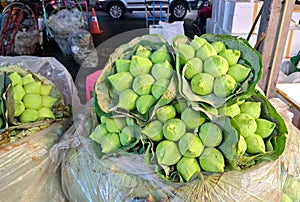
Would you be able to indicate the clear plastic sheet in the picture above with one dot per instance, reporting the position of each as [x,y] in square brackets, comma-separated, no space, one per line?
[127,178]
[25,167]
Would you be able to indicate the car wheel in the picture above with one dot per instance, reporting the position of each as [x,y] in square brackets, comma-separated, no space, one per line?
[115,10]
[178,10]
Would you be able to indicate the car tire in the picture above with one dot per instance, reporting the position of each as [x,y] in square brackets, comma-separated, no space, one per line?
[115,10]
[178,10]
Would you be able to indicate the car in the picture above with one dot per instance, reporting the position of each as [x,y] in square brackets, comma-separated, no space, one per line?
[117,8]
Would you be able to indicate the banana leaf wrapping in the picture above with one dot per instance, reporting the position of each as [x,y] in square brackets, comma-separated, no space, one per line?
[249,57]
[105,101]
[3,105]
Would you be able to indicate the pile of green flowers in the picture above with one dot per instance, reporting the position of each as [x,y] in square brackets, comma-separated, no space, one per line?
[191,108]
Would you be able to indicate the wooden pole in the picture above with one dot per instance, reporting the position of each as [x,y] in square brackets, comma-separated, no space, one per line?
[279,50]
[274,25]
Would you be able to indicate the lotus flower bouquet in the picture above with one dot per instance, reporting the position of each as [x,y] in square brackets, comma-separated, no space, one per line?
[191,109]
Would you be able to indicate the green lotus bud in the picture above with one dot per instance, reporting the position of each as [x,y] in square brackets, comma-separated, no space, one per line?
[144,103]
[28,78]
[98,133]
[190,145]
[242,146]
[120,81]
[219,46]
[33,87]
[19,92]
[174,129]
[142,84]
[127,99]
[180,106]
[122,65]
[192,119]
[140,65]
[197,42]
[129,134]
[19,107]
[245,124]
[269,146]
[193,67]
[205,51]
[110,142]
[103,119]
[188,167]
[224,85]
[255,144]
[163,70]
[15,78]
[45,113]
[251,108]
[48,101]
[210,134]
[130,121]
[45,89]
[143,52]
[264,127]
[186,52]
[238,72]
[115,125]
[167,153]
[232,56]
[202,83]
[212,160]
[33,101]
[240,101]
[160,55]
[231,110]
[159,87]
[215,65]
[165,113]
[29,115]
[153,130]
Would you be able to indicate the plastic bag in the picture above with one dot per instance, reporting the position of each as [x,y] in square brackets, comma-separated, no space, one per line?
[170,30]
[26,174]
[125,178]
[290,161]
[81,43]
[62,24]
[66,21]
[25,42]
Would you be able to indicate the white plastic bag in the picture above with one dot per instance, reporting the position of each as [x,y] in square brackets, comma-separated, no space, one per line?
[170,30]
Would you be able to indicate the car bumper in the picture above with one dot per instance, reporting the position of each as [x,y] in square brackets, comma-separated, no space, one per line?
[101,5]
